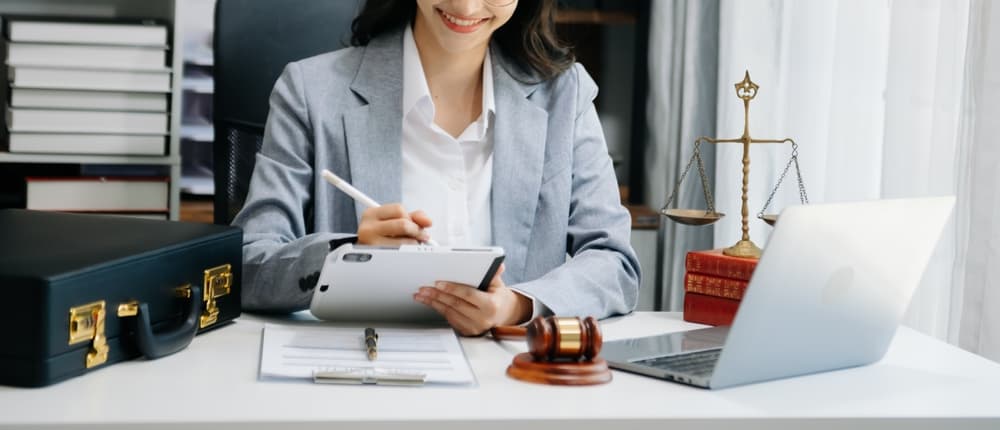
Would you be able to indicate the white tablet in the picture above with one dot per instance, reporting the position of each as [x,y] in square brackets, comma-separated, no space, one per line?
[372,283]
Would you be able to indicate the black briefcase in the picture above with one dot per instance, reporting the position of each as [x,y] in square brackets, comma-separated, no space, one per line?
[80,292]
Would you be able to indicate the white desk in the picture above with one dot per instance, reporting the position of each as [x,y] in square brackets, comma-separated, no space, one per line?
[922,383]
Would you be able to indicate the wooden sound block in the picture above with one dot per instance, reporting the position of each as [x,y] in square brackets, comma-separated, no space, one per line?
[526,368]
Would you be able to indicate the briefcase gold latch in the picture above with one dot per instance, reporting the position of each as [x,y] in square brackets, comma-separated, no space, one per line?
[218,283]
[86,323]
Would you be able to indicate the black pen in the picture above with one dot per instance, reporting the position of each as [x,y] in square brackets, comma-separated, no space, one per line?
[371,342]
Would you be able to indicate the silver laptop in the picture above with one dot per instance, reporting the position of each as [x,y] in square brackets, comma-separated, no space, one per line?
[828,293]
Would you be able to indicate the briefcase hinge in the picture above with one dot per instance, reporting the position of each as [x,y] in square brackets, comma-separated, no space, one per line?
[86,323]
[218,283]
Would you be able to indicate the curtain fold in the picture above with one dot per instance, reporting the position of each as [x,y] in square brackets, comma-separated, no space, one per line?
[683,55]
[923,97]
[977,300]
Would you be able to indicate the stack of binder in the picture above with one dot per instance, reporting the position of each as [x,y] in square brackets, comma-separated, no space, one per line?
[88,87]
[78,87]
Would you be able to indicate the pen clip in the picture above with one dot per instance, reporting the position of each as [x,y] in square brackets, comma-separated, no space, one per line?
[362,376]
[371,343]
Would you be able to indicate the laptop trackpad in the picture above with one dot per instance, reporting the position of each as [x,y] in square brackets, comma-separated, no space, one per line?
[628,350]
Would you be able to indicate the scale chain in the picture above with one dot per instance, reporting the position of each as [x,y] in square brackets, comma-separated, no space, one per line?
[802,185]
[709,200]
[704,179]
[798,173]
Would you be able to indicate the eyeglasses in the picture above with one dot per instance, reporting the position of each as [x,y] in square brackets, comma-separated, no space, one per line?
[499,3]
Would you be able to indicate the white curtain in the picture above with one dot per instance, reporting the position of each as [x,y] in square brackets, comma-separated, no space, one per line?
[885,99]
[978,262]
[683,55]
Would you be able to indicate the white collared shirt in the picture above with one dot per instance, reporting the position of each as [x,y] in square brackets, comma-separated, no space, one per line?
[450,179]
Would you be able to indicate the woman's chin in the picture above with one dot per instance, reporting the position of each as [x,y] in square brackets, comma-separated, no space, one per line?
[461,43]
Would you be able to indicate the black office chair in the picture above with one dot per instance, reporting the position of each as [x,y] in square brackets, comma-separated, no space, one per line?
[254,40]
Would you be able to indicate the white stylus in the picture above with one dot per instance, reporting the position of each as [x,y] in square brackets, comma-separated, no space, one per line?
[342,185]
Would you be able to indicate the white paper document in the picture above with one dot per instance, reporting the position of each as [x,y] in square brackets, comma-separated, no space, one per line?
[302,351]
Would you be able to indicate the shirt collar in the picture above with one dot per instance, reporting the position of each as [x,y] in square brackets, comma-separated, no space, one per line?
[488,104]
[414,81]
[415,88]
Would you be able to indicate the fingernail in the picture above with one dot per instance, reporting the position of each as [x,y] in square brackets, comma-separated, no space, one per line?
[439,284]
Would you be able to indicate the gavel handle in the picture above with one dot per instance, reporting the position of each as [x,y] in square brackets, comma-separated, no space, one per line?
[509,332]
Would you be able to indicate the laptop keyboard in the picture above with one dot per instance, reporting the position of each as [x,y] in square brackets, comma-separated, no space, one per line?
[699,363]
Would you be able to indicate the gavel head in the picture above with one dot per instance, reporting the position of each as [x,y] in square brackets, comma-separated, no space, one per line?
[566,339]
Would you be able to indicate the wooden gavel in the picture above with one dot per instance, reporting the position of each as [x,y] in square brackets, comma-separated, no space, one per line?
[557,338]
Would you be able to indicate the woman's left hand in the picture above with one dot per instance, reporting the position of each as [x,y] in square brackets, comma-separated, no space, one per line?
[471,311]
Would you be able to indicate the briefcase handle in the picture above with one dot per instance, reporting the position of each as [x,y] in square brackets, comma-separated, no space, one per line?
[156,345]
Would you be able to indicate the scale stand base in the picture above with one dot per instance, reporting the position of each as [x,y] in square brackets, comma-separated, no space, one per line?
[743,249]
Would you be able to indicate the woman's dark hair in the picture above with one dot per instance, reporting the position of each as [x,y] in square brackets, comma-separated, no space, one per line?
[529,36]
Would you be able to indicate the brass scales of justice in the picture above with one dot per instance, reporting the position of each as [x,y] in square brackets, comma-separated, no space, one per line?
[745,90]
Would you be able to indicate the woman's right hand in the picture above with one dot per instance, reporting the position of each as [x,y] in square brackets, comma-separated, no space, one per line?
[391,225]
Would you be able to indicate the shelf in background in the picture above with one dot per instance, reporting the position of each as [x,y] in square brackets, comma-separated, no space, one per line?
[643,217]
[198,132]
[165,12]
[198,81]
[570,16]
[199,185]
[198,55]
[197,210]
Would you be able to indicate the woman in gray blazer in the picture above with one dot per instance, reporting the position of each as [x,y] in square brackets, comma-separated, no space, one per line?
[471,111]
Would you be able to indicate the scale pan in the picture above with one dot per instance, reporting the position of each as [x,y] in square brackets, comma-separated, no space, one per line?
[770,219]
[692,216]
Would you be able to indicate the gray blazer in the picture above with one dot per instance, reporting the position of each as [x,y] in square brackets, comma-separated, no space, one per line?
[554,190]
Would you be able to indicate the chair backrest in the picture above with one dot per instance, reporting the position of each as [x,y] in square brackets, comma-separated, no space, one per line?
[254,40]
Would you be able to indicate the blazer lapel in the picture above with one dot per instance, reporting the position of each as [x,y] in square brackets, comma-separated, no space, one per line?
[519,138]
[373,131]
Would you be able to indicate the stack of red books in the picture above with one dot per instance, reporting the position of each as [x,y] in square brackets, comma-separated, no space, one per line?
[714,284]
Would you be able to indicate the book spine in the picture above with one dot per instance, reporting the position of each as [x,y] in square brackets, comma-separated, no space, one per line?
[702,309]
[717,264]
[93,33]
[80,143]
[714,286]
